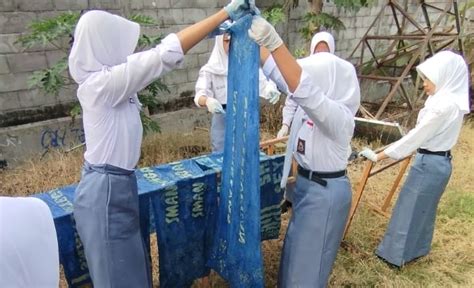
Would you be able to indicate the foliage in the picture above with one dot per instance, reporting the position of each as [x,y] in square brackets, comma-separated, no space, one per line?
[353,5]
[313,22]
[56,31]
[274,14]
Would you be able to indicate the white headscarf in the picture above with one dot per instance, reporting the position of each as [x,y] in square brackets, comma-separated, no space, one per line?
[449,72]
[218,61]
[335,76]
[101,39]
[323,37]
[29,255]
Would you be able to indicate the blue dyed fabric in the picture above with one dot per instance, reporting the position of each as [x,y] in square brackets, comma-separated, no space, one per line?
[236,254]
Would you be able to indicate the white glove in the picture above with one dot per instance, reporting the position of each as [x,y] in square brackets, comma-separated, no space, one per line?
[214,106]
[369,154]
[283,131]
[264,34]
[271,93]
[239,8]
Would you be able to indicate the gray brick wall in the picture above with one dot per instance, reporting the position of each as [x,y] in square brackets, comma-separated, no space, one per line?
[17,64]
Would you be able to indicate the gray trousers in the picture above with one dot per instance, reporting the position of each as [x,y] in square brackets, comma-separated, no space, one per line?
[217,132]
[107,220]
[411,226]
[315,232]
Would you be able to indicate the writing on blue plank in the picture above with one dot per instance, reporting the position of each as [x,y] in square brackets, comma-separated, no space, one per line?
[270,219]
[277,166]
[61,200]
[152,177]
[180,171]
[172,204]
[265,175]
[198,199]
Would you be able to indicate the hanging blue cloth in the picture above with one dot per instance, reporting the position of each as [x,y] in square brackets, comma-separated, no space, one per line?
[236,254]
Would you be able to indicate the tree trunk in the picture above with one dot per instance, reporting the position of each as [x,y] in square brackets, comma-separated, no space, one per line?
[316,6]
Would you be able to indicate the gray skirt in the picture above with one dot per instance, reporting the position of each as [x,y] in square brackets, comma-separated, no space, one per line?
[107,220]
[411,226]
[315,232]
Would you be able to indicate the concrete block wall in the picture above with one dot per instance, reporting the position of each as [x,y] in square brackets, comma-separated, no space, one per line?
[19,103]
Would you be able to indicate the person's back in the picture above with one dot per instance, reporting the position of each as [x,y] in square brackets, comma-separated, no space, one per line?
[29,255]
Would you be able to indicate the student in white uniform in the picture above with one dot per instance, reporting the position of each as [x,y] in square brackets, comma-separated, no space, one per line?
[102,61]
[321,42]
[411,226]
[29,254]
[326,88]
[211,90]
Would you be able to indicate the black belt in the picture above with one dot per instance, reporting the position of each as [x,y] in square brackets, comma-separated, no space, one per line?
[439,153]
[319,177]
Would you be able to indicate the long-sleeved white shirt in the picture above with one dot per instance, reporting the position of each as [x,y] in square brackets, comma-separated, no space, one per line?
[437,129]
[328,129]
[111,110]
[215,86]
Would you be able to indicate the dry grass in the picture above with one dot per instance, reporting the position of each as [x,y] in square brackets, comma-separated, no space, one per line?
[450,264]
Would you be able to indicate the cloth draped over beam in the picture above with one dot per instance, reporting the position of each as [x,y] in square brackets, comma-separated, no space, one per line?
[195,180]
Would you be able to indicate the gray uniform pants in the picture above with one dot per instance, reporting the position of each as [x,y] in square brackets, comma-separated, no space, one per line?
[107,220]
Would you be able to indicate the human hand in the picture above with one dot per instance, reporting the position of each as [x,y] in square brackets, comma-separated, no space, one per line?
[283,131]
[369,154]
[239,8]
[271,93]
[214,106]
[264,34]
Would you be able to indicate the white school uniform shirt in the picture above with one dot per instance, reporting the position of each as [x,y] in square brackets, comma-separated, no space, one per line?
[290,107]
[109,77]
[29,253]
[329,95]
[212,80]
[439,122]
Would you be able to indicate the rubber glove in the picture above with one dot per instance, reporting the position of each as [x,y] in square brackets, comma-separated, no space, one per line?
[214,106]
[239,8]
[283,131]
[369,154]
[264,34]
[271,93]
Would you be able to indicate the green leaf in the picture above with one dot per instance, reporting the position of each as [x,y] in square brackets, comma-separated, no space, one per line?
[149,125]
[313,22]
[274,15]
[142,19]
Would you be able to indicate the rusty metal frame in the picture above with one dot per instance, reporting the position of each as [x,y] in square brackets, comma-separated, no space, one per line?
[426,39]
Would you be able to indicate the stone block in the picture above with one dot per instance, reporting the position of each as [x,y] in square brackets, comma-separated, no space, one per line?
[4,69]
[65,5]
[190,61]
[15,22]
[9,101]
[192,4]
[193,74]
[7,43]
[203,58]
[158,4]
[68,94]
[193,15]
[177,76]
[170,16]
[202,47]
[36,5]
[7,5]
[105,4]
[52,57]
[35,98]
[138,4]
[25,62]
[14,82]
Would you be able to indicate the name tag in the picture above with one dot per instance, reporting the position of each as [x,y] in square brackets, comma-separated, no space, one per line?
[301,147]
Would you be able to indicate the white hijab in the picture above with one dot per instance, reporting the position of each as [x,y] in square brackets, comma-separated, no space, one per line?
[101,40]
[449,72]
[323,37]
[336,77]
[29,255]
[218,61]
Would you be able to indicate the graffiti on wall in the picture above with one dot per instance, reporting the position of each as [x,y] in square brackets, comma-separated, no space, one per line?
[61,138]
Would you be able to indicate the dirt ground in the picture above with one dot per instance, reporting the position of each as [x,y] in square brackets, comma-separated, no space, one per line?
[450,263]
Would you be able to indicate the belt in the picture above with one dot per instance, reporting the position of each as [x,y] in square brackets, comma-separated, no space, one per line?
[319,177]
[439,153]
[224,106]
